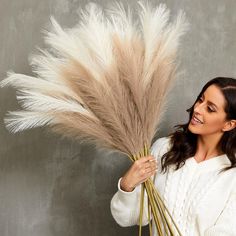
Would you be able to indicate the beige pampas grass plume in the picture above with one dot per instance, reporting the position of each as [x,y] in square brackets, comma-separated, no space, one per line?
[104,80]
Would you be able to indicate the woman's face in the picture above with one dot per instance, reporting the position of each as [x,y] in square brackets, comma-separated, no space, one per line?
[209,116]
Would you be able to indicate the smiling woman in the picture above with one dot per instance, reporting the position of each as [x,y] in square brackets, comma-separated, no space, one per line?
[210,130]
[196,173]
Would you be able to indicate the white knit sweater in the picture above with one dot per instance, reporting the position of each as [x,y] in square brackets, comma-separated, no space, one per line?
[200,201]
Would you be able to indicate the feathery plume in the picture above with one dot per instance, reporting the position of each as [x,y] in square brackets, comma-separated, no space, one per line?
[105,80]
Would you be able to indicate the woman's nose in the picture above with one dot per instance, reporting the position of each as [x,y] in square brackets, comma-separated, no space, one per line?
[198,108]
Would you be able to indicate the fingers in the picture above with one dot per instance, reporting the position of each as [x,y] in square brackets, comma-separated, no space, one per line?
[146,177]
[145,164]
[147,171]
[150,171]
[149,168]
[146,158]
[150,164]
[146,161]
[139,172]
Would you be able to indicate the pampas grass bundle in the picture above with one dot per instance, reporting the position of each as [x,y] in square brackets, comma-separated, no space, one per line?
[105,81]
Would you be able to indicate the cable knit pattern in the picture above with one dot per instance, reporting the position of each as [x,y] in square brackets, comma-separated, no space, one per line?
[201,201]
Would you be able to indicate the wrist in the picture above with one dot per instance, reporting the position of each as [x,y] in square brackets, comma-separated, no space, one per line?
[125,186]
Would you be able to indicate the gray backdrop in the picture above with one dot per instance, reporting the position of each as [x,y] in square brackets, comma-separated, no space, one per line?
[55,187]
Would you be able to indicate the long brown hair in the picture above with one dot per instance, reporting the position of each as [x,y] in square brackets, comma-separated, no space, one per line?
[184,142]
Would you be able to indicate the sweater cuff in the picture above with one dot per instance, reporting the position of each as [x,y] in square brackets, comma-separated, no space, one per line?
[127,197]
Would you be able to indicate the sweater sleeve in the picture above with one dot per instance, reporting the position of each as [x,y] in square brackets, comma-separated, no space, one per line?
[125,206]
[226,223]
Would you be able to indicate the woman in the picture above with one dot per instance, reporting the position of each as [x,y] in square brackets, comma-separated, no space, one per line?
[195,165]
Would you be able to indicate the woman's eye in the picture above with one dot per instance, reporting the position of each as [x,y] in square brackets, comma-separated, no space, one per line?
[200,100]
[209,109]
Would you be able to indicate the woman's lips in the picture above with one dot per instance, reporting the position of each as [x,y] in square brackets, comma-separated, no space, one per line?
[195,121]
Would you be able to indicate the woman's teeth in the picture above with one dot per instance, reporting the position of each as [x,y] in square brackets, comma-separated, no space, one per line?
[196,120]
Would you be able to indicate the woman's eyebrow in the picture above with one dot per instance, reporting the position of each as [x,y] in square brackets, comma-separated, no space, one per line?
[211,103]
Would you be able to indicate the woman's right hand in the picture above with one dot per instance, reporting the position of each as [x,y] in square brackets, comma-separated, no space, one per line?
[138,173]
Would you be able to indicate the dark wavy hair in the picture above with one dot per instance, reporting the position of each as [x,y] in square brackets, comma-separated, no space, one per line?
[184,142]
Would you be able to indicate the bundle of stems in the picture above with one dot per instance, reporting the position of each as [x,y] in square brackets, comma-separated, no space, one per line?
[104,81]
[164,223]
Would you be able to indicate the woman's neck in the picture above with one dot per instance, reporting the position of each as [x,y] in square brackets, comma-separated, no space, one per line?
[208,147]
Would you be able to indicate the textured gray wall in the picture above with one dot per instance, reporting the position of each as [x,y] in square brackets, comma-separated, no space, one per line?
[54,187]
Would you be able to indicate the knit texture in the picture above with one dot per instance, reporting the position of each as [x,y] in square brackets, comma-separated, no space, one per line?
[200,200]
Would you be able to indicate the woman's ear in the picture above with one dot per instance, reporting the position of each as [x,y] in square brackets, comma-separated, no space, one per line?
[229,125]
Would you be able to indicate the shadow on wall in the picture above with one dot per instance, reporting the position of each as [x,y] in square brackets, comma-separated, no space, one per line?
[46,192]
[80,203]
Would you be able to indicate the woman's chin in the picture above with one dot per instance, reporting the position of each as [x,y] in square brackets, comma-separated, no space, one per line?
[193,129]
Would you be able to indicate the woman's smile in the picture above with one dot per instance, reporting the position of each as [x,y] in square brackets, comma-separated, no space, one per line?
[196,121]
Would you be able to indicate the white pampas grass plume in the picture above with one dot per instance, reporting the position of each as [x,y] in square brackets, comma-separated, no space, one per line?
[32,101]
[109,67]
[22,120]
